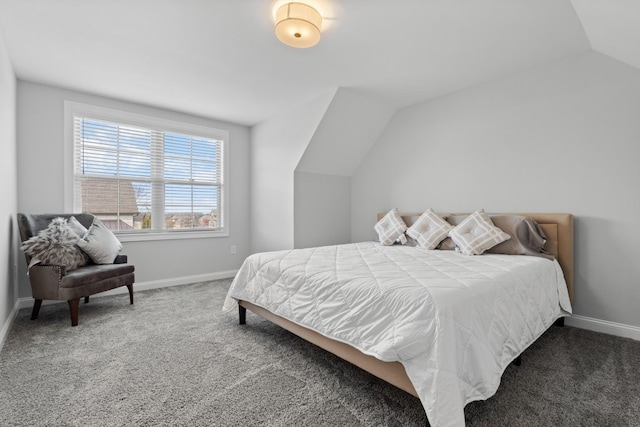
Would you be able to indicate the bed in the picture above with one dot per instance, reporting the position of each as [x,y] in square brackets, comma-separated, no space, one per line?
[438,324]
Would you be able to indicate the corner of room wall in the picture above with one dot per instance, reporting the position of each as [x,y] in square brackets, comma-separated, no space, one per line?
[8,193]
[277,144]
[301,163]
[322,188]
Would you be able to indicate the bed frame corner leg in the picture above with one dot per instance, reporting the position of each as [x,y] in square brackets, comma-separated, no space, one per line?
[242,314]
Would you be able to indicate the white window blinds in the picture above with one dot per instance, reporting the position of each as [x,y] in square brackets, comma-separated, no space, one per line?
[140,179]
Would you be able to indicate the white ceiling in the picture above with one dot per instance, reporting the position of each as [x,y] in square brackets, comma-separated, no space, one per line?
[221,59]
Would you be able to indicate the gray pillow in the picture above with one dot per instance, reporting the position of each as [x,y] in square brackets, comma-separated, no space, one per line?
[56,244]
[100,243]
[76,226]
[527,237]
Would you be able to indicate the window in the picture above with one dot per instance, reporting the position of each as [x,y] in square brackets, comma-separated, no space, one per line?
[142,175]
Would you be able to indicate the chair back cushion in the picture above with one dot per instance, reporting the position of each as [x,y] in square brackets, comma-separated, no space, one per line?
[30,224]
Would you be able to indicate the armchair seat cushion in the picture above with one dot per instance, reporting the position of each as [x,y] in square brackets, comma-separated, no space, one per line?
[94,273]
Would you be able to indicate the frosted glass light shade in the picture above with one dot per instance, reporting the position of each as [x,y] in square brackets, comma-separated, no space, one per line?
[298,25]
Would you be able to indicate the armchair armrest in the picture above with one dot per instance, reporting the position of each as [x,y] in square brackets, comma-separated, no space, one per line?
[45,280]
[120,259]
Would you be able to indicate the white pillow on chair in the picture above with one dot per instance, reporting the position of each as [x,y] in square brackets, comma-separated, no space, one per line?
[100,243]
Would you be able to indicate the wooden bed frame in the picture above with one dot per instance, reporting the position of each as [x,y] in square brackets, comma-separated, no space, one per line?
[558,228]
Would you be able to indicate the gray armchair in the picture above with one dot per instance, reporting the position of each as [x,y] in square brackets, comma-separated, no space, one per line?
[54,282]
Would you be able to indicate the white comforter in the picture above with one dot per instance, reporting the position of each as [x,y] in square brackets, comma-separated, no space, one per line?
[454,321]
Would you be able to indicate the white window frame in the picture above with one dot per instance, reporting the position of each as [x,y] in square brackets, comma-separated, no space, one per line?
[73,109]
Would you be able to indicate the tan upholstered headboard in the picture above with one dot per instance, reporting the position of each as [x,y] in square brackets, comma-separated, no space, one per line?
[558,228]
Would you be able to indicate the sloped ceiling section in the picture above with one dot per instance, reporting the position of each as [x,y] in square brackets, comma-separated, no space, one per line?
[220,59]
[613,27]
[350,126]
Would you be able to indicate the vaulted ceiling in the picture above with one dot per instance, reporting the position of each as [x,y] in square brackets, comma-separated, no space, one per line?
[220,58]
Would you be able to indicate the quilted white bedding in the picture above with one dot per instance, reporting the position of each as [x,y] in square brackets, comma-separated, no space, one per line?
[454,321]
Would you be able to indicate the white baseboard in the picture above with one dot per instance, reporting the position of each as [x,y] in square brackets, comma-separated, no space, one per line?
[603,326]
[165,283]
[5,328]
[144,286]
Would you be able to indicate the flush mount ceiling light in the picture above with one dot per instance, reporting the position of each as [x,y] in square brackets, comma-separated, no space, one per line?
[298,25]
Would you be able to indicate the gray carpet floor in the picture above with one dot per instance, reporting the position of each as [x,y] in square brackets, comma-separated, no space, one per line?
[174,359]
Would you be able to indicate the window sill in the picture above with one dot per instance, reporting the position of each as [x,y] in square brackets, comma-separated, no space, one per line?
[169,235]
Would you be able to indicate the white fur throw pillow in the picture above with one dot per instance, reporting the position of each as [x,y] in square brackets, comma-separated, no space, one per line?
[56,244]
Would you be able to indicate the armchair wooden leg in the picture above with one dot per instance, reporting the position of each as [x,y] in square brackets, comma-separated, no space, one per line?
[73,309]
[130,287]
[36,309]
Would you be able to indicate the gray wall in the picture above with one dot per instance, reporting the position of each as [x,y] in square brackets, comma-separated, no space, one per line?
[301,163]
[322,210]
[349,127]
[41,186]
[564,137]
[8,177]
[277,144]
[322,179]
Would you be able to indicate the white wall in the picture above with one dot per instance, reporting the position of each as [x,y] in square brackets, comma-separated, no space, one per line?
[564,137]
[301,163]
[8,177]
[277,144]
[322,188]
[41,186]
[322,210]
[350,126]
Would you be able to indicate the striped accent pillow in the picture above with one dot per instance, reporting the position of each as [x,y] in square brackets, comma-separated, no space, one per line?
[429,230]
[476,233]
[391,228]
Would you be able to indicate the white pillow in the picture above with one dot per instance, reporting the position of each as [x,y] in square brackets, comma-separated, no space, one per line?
[476,233]
[100,243]
[76,226]
[429,230]
[391,228]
